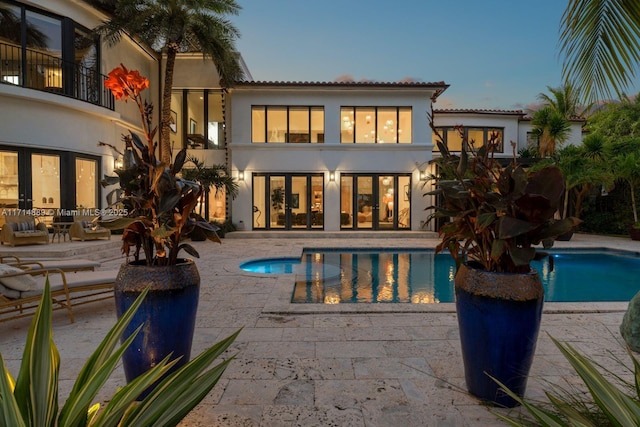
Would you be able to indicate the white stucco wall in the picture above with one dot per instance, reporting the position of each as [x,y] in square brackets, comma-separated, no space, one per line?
[41,120]
[331,155]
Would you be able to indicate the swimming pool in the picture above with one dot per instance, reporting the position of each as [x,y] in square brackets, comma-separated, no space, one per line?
[420,276]
[272,265]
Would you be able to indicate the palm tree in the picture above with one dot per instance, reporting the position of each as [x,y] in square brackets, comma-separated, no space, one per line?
[600,40]
[216,176]
[551,129]
[564,100]
[172,26]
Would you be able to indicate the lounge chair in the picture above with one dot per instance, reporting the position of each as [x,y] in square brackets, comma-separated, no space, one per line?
[21,290]
[73,264]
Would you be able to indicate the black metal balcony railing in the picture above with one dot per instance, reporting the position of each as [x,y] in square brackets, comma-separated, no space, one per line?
[36,70]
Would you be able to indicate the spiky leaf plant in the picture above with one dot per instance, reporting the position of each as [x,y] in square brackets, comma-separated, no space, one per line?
[32,399]
[612,406]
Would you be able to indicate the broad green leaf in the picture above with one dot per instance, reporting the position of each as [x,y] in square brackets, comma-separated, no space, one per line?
[10,414]
[120,403]
[71,408]
[176,386]
[509,227]
[37,405]
[522,256]
[615,404]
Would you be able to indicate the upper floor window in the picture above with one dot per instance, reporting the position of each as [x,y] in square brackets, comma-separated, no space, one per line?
[476,135]
[197,119]
[287,124]
[373,125]
[43,51]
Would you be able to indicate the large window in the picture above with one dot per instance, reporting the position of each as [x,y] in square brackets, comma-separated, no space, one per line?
[477,136]
[43,51]
[197,119]
[292,124]
[375,125]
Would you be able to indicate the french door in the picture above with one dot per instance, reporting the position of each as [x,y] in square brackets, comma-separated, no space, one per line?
[288,201]
[33,180]
[375,201]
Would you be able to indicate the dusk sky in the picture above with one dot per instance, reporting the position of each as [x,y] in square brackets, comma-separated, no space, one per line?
[494,54]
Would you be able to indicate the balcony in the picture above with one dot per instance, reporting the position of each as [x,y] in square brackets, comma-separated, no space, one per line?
[36,70]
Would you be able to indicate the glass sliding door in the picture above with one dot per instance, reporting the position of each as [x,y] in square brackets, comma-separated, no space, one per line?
[45,181]
[288,202]
[9,180]
[380,202]
[86,184]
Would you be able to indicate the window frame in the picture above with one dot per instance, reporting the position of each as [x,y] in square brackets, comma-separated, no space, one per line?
[486,130]
[288,139]
[374,123]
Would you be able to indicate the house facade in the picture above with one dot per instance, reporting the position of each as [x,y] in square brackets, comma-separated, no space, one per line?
[307,156]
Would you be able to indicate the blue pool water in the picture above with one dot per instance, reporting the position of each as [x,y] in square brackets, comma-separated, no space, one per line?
[272,265]
[421,276]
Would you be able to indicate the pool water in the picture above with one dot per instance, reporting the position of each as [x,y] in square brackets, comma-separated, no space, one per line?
[421,276]
[272,265]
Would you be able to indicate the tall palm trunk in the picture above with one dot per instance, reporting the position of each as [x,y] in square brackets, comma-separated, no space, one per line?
[165,117]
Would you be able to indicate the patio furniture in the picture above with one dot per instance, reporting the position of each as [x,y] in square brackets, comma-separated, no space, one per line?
[83,228]
[21,290]
[23,230]
[73,264]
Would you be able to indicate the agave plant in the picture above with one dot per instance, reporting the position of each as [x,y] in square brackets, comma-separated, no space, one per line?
[613,406]
[32,399]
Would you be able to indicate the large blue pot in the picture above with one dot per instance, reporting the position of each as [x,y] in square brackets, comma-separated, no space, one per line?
[168,313]
[499,318]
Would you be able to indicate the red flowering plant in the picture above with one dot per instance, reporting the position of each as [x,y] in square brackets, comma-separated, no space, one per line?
[158,203]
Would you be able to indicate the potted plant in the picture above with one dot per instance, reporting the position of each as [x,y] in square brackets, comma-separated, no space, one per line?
[157,207]
[495,215]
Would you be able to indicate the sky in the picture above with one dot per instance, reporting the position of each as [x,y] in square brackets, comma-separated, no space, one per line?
[494,54]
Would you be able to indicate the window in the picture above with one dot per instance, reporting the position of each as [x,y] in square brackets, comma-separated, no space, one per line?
[43,51]
[375,125]
[197,119]
[287,124]
[477,135]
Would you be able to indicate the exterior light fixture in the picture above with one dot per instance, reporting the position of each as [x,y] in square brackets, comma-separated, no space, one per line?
[423,175]
[332,176]
[240,175]
[118,163]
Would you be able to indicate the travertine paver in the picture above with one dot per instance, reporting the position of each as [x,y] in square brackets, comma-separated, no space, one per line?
[348,365]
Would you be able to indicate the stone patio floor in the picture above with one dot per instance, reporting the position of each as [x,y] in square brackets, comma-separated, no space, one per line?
[334,365]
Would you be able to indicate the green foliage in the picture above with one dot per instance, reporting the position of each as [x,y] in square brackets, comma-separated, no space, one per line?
[496,213]
[610,405]
[32,400]
[600,44]
[618,120]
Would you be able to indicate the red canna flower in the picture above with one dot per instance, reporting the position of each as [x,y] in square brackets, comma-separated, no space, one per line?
[125,84]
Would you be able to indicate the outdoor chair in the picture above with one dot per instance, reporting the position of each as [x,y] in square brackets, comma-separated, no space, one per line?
[83,228]
[73,264]
[21,290]
[23,230]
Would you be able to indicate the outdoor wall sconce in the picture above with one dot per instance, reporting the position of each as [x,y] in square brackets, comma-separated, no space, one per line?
[423,175]
[240,175]
[332,176]
[118,163]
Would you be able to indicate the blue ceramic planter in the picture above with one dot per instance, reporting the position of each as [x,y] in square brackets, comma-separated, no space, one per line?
[168,313]
[499,318]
